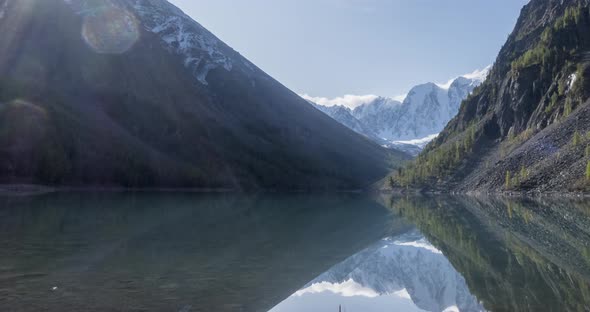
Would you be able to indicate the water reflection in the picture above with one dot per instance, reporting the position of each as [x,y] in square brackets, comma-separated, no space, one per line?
[187,252]
[173,252]
[466,254]
[399,273]
[515,254]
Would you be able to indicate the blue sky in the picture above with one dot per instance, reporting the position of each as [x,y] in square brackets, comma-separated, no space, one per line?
[331,48]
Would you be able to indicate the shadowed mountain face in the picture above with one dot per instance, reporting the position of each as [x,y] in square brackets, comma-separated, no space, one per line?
[135,93]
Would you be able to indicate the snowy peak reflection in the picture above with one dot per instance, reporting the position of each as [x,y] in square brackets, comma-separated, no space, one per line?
[402,273]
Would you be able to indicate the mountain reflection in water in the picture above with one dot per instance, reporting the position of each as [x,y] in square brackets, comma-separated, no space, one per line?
[221,252]
[401,273]
[465,254]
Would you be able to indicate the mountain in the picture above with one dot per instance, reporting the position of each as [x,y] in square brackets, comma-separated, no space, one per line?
[344,115]
[135,93]
[424,112]
[527,127]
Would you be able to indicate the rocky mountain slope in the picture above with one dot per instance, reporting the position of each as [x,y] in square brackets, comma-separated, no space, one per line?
[526,128]
[424,112]
[135,93]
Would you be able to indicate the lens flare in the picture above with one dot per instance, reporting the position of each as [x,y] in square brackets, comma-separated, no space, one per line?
[110,30]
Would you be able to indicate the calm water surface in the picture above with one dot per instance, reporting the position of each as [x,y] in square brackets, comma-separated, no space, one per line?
[219,252]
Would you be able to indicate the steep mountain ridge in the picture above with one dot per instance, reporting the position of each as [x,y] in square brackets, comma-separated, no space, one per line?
[526,127]
[135,93]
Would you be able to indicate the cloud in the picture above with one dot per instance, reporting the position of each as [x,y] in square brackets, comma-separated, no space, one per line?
[350,101]
[480,75]
[401,97]
[349,288]
[354,101]
[447,84]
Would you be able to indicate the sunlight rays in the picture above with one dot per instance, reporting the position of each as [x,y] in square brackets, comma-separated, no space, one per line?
[13,25]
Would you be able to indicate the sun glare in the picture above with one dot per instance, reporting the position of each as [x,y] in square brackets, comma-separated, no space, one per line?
[110,29]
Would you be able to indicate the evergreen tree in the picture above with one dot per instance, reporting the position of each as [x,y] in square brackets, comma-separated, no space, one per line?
[523,173]
[457,151]
[568,107]
[577,138]
[554,99]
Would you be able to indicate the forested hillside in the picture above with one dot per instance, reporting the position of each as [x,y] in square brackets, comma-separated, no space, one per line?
[527,127]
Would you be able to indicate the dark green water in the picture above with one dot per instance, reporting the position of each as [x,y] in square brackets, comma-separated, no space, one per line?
[219,252]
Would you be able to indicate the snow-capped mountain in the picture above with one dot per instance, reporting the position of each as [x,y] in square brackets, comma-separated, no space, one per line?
[423,113]
[398,271]
[345,116]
